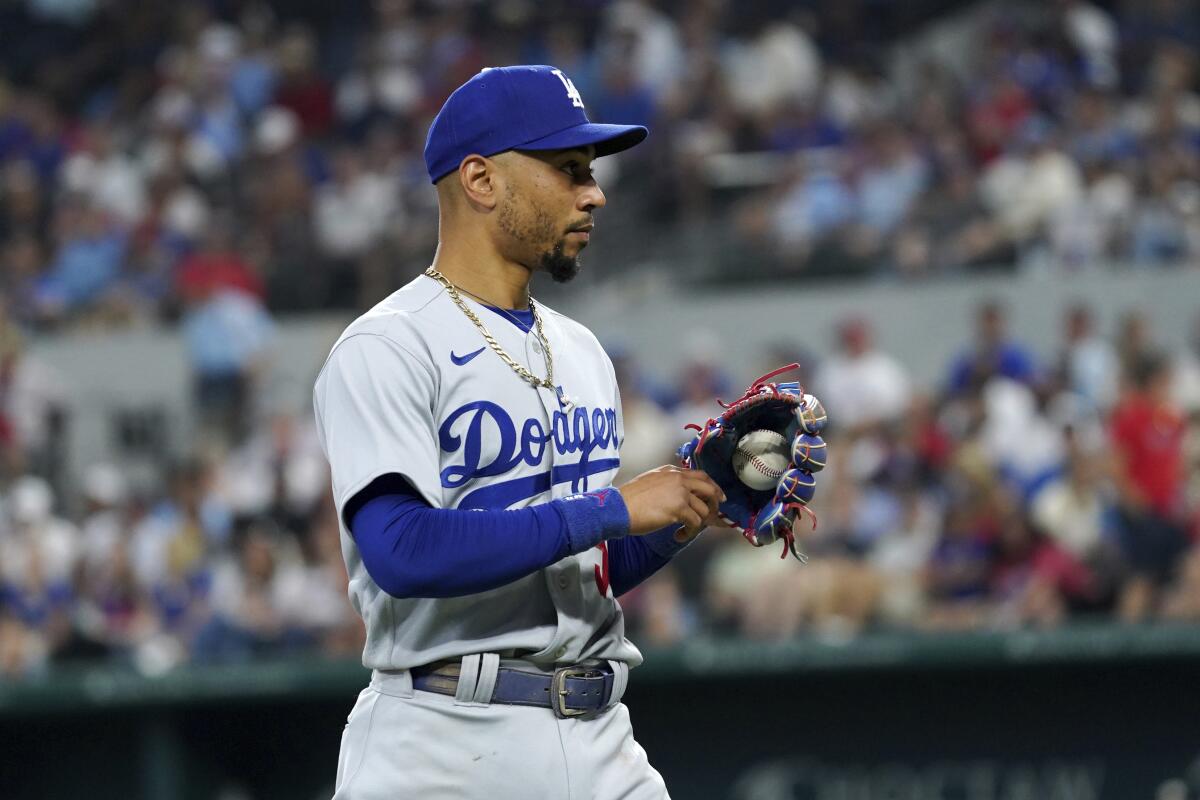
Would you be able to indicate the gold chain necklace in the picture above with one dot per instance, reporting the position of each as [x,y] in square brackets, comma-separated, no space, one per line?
[546,382]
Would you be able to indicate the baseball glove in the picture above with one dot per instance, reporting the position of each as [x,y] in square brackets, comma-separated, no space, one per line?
[766,514]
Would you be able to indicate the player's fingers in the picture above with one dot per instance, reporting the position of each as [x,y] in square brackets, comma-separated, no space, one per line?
[685,535]
[699,483]
[692,515]
[712,502]
[700,506]
[694,519]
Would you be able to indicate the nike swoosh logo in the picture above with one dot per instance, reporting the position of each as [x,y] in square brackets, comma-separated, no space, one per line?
[461,360]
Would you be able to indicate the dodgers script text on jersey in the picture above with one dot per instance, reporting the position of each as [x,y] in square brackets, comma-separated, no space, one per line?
[592,433]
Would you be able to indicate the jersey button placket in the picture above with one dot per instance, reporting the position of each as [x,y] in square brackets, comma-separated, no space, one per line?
[537,365]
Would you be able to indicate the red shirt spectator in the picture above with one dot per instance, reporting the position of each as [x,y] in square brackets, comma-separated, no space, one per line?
[216,266]
[205,271]
[1148,432]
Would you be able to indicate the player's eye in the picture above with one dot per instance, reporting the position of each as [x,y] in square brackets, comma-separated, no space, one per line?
[578,172]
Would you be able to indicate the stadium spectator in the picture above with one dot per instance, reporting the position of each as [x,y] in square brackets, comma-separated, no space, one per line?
[351,214]
[1088,365]
[993,354]
[1147,432]
[33,399]
[38,554]
[959,568]
[88,256]
[650,440]
[312,592]
[1076,511]
[104,176]
[216,265]
[900,556]
[278,472]
[301,87]
[249,606]
[169,543]
[867,386]
[104,523]
[227,333]
[1186,371]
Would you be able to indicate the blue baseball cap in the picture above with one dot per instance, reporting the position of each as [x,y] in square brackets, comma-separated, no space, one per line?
[527,107]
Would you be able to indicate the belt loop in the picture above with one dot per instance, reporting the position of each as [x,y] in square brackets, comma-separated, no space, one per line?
[468,676]
[620,681]
[489,667]
[397,683]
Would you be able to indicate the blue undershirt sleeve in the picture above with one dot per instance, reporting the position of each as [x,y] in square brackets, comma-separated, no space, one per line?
[411,549]
[632,559]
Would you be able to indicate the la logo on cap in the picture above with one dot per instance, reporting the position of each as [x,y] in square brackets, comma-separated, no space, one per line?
[569,85]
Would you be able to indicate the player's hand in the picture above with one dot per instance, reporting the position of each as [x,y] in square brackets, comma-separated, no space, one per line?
[671,495]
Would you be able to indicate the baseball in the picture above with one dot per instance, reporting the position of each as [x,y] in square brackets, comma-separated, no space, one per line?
[761,458]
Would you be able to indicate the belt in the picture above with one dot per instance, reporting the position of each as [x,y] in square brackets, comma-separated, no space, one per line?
[579,692]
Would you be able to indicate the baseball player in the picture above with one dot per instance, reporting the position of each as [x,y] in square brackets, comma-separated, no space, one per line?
[473,435]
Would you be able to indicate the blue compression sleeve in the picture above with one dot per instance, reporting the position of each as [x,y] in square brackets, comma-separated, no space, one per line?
[411,549]
[634,558]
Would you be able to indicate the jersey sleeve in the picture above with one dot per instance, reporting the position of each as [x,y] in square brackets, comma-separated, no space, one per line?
[374,404]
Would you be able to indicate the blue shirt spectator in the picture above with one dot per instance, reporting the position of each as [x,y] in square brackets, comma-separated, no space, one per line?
[87,263]
[994,354]
[224,333]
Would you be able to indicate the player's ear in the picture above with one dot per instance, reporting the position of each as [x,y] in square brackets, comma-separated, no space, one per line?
[479,179]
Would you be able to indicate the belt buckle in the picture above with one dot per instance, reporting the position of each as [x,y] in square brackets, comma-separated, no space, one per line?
[559,693]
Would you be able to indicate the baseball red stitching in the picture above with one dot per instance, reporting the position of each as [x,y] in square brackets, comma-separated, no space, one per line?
[759,465]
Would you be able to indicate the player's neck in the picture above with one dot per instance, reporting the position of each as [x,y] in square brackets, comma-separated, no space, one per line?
[493,281]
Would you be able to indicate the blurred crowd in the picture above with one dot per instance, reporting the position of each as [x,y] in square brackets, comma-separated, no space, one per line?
[155,158]
[229,553]
[1029,488]
[213,164]
[1032,486]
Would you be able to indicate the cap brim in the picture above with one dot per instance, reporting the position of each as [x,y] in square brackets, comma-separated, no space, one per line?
[608,139]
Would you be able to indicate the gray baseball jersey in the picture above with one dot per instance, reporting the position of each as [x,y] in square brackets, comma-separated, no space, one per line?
[411,388]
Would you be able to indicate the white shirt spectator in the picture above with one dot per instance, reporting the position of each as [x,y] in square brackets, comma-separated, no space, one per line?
[349,218]
[865,389]
[1093,371]
[1094,33]
[248,478]
[238,600]
[37,545]
[1015,434]
[1071,516]
[781,65]
[100,535]
[1028,193]
[1185,388]
[312,597]
[113,182]
[148,548]
[35,389]
[1084,232]
[650,439]
[658,56]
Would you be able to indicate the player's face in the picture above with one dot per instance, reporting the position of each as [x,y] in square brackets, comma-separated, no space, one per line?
[545,217]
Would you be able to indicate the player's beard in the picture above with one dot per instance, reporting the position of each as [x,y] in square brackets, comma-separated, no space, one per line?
[562,267]
[533,225]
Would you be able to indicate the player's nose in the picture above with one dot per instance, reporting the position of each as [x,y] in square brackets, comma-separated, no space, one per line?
[591,198]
